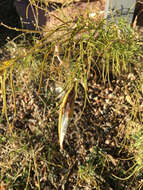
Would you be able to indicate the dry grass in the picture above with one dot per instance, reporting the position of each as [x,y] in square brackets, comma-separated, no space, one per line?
[103,145]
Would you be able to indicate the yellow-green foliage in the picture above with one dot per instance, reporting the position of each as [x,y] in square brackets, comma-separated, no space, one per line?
[68,59]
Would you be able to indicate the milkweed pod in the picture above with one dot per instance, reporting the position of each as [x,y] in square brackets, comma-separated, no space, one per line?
[66,110]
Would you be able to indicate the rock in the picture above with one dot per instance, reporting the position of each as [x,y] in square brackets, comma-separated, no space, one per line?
[31,17]
[138,14]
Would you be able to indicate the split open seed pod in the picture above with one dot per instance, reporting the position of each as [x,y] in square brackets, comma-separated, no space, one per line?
[65,113]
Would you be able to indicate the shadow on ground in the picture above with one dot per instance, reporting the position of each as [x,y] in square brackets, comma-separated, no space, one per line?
[10,18]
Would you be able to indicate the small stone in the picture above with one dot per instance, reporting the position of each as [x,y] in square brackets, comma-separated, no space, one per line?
[131,76]
[107,142]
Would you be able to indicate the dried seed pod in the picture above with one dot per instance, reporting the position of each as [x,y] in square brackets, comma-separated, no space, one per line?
[66,110]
